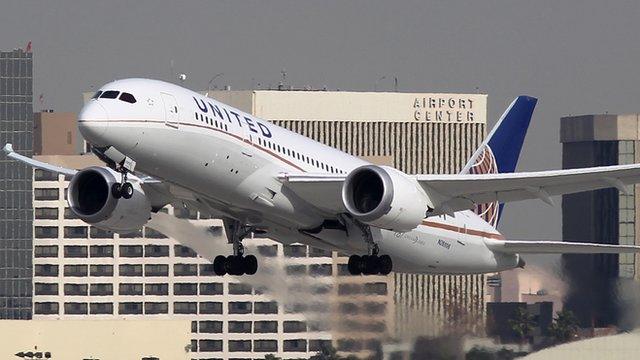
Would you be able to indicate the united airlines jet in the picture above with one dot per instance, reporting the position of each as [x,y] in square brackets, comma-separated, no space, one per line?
[163,144]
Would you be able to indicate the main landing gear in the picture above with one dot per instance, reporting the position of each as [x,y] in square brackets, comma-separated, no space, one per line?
[123,189]
[236,264]
[371,264]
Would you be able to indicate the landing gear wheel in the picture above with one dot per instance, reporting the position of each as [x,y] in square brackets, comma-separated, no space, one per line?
[126,190]
[371,264]
[250,265]
[354,265]
[116,191]
[219,267]
[385,265]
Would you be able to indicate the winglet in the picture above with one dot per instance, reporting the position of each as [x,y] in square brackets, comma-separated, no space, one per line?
[8,148]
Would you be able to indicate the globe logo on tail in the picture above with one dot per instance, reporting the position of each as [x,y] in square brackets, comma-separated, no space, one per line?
[486,164]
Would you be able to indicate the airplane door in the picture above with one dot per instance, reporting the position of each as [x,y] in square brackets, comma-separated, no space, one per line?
[171,116]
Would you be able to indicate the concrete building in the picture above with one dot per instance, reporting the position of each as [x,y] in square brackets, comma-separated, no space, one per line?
[55,133]
[87,339]
[604,216]
[16,211]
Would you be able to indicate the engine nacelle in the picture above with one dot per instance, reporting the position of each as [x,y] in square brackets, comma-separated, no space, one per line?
[385,197]
[89,196]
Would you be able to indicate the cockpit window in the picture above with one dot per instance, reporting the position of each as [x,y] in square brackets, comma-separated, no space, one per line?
[110,94]
[97,95]
[127,97]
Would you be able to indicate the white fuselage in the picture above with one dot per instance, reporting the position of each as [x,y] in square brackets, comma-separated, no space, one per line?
[228,161]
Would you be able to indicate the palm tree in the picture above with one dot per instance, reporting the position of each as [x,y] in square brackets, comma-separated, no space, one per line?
[564,327]
[522,323]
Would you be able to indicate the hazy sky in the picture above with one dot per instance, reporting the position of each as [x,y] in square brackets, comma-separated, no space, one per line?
[577,56]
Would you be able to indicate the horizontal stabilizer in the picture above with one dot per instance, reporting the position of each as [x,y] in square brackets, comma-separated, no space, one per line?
[556,247]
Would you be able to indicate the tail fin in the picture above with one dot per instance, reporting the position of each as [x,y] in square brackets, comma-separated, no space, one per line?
[500,151]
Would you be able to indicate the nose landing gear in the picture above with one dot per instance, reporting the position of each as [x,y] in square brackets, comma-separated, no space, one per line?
[124,189]
[236,264]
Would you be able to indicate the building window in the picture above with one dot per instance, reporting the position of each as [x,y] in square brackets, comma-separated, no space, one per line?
[211,327]
[185,307]
[206,270]
[75,270]
[101,270]
[263,327]
[46,194]
[101,251]
[295,251]
[183,251]
[298,345]
[75,289]
[240,307]
[150,233]
[156,250]
[349,308]
[101,289]
[151,308]
[210,345]
[130,308]
[130,251]
[211,289]
[97,233]
[239,289]
[46,308]
[74,308]
[45,270]
[69,214]
[156,270]
[375,308]
[266,307]
[239,345]
[130,270]
[350,345]
[43,175]
[316,252]
[210,307]
[49,213]
[46,232]
[185,289]
[45,251]
[378,288]
[132,235]
[101,308]
[130,289]
[75,232]
[45,289]
[294,326]
[268,250]
[240,326]
[75,251]
[265,345]
[185,269]
[296,270]
[320,270]
[156,289]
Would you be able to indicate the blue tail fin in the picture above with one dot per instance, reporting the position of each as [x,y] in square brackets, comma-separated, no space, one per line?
[500,151]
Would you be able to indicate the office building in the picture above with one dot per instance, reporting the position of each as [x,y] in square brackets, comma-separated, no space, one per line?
[55,133]
[16,210]
[605,216]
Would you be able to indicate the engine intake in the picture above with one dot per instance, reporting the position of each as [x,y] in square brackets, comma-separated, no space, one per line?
[89,197]
[385,197]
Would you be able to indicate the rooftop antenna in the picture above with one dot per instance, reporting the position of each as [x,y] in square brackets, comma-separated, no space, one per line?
[284,79]
[395,83]
[211,82]
[375,86]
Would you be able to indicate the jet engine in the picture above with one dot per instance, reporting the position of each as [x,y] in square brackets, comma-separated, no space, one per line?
[90,198]
[385,197]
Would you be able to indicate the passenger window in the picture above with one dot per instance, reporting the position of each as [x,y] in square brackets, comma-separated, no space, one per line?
[127,98]
[97,95]
[110,94]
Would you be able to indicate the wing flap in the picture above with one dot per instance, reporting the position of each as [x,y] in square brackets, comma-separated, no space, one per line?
[556,247]
[323,191]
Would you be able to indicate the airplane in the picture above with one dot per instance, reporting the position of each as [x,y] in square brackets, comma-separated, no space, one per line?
[164,144]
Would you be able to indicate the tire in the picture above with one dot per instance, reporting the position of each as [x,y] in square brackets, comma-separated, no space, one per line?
[219,265]
[354,265]
[235,265]
[250,264]
[116,191]
[127,190]
[386,265]
[371,264]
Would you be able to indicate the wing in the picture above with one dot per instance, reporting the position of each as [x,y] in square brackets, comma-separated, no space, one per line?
[8,149]
[461,192]
[458,192]
[556,247]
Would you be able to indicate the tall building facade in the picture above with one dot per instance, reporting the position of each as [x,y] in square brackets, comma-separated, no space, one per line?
[55,133]
[605,216]
[16,211]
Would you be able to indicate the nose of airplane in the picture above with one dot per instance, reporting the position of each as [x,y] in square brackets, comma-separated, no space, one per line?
[93,122]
